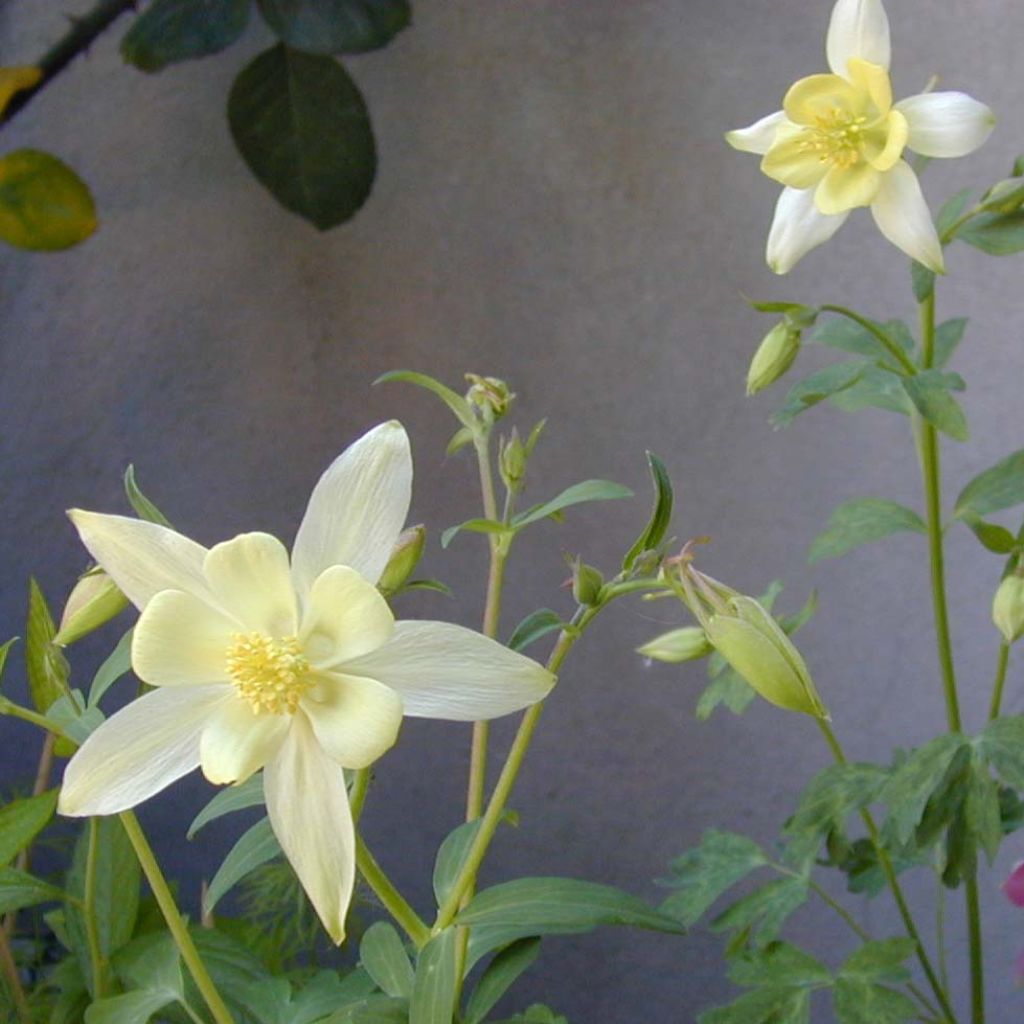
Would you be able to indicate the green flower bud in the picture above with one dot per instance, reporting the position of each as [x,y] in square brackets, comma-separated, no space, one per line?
[586,583]
[754,644]
[512,461]
[1008,608]
[93,602]
[404,558]
[773,357]
[685,644]
[491,396]
[1004,196]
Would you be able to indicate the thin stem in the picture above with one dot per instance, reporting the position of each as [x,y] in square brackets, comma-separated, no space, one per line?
[92,935]
[977,961]
[997,687]
[10,972]
[357,795]
[394,902]
[8,707]
[175,923]
[940,935]
[891,347]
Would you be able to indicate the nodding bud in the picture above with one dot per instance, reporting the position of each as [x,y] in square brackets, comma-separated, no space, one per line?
[93,602]
[404,558]
[754,644]
[1008,608]
[678,645]
[774,356]
[491,396]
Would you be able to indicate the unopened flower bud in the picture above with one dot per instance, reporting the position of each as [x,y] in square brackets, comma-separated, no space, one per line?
[773,357]
[404,558]
[93,602]
[754,644]
[491,396]
[1004,196]
[678,645]
[1008,608]
[512,461]
[586,583]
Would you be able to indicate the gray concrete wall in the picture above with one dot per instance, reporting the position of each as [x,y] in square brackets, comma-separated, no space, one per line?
[556,206]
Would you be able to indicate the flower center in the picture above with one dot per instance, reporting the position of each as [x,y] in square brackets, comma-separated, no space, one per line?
[836,137]
[270,673]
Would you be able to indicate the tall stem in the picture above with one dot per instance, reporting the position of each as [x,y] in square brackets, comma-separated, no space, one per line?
[997,687]
[395,903]
[89,910]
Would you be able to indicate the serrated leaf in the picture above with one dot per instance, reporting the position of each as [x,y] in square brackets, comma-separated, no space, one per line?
[779,965]
[458,405]
[729,688]
[998,234]
[44,205]
[382,954]
[536,625]
[451,855]
[816,388]
[881,960]
[500,974]
[587,490]
[704,873]
[999,487]
[1002,746]
[22,820]
[433,991]
[948,336]
[930,393]
[472,526]
[117,664]
[255,847]
[857,1001]
[19,889]
[169,31]
[876,389]
[661,516]
[922,281]
[861,521]
[141,505]
[301,125]
[228,800]
[336,26]
[45,664]
[951,210]
[760,914]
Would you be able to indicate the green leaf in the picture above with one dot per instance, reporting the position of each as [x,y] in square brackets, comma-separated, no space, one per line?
[472,526]
[19,889]
[500,974]
[983,819]
[860,521]
[130,1008]
[763,1006]
[459,440]
[816,388]
[779,965]
[951,210]
[758,916]
[433,991]
[536,1014]
[152,962]
[458,405]
[930,393]
[703,874]
[1001,486]
[336,26]
[5,649]
[76,721]
[382,954]
[451,855]
[880,960]
[661,516]
[141,505]
[728,687]
[117,664]
[255,847]
[849,336]
[371,1010]
[876,389]
[922,281]
[793,623]
[434,586]
[1002,746]
[992,536]
[948,336]
[169,31]
[301,125]
[22,820]
[536,625]
[858,1001]
[998,234]
[588,490]
[46,666]
[228,800]
[44,205]
[235,970]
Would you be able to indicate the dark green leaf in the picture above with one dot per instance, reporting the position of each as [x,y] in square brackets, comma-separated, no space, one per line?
[983,820]
[536,1014]
[992,536]
[1001,486]
[228,800]
[383,956]
[456,403]
[19,889]
[1002,745]
[881,960]
[141,505]
[117,664]
[472,526]
[661,516]
[371,1010]
[336,26]
[434,586]
[433,990]
[255,847]
[930,393]
[22,820]
[862,520]
[948,336]
[44,205]
[876,389]
[151,962]
[301,125]
[727,687]
[760,914]
[129,1008]
[779,965]
[536,625]
[169,31]
[998,234]
[451,855]
[951,210]
[235,970]
[500,974]
[922,281]
[861,1002]
[46,666]
[816,388]
[763,1006]
[588,490]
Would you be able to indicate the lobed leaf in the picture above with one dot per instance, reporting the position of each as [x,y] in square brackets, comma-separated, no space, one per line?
[758,916]
[861,521]
[816,388]
[998,234]
[930,393]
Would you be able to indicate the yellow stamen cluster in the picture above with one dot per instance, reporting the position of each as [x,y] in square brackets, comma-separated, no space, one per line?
[270,673]
[836,138]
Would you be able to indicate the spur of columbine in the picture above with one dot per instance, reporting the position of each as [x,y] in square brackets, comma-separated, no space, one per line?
[295,667]
[838,143]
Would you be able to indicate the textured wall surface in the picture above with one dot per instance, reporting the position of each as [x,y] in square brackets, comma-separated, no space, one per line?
[555,205]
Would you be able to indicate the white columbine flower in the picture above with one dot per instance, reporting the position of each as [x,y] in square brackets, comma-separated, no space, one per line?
[838,144]
[299,669]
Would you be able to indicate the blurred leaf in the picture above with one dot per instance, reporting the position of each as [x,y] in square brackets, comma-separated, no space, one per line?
[763,1006]
[998,234]
[301,125]
[433,991]
[948,336]
[383,956]
[860,521]
[930,393]
[1002,745]
[169,31]
[876,389]
[255,847]
[142,506]
[661,516]
[458,405]
[1001,486]
[588,490]
[44,205]
[117,664]
[780,965]
[228,800]
[19,889]
[22,820]
[15,79]
[758,916]
[536,1014]
[500,974]
[992,536]
[922,281]
[536,625]
[860,1002]
[371,1010]
[728,687]
[45,664]
[472,526]
[951,210]
[816,388]
[336,26]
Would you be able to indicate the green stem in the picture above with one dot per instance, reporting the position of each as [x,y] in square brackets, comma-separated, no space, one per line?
[940,935]
[357,795]
[92,934]
[175,923]
[894,885]
[8,707]
[997,687]
[890,345]
[394,902]
[10,972]
[977,962]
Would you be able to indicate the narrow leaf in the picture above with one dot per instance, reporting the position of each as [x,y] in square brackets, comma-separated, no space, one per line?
[22,820]
[930,393]
[458,405]
[228,800]
[922,281]
[19,889]
[499,976]
[130,1008]
[45,664]
[948,336]
[142,506]
[117,664]
[661,516]
[588,490]
[472,526]
[860,521]
[451,855]
[1001,486]
[383,957]
[536,625]
[433,990]
[169,31]
[816,388]
[255,847]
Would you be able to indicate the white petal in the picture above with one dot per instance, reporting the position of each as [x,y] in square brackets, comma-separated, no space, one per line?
[902,216]
[445,671]
[180,640]
[355,719]
[251,579]
[946,123]
[139,751]
[308,808]
[345,617]
[142,558]
[235,742]
[358,508]
[758,137]
[859,28]
[797,228]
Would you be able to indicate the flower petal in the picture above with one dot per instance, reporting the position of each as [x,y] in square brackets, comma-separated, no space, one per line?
[251,579]
[858,28]
[308,807]
[845,188]
[355,719]
[790,161]
[758,137]
[896,131]
[818,97]
[797,228]
[946,124]
[139,751]
[874,80]
[357,509]
[445,671]
[345,617]
[235,742]
[902,216]
[142,558]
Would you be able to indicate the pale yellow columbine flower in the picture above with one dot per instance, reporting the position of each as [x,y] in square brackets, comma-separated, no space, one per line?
[299,669]
[839,140]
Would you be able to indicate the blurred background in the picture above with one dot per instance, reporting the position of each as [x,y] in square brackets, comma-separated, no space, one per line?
[554,206]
